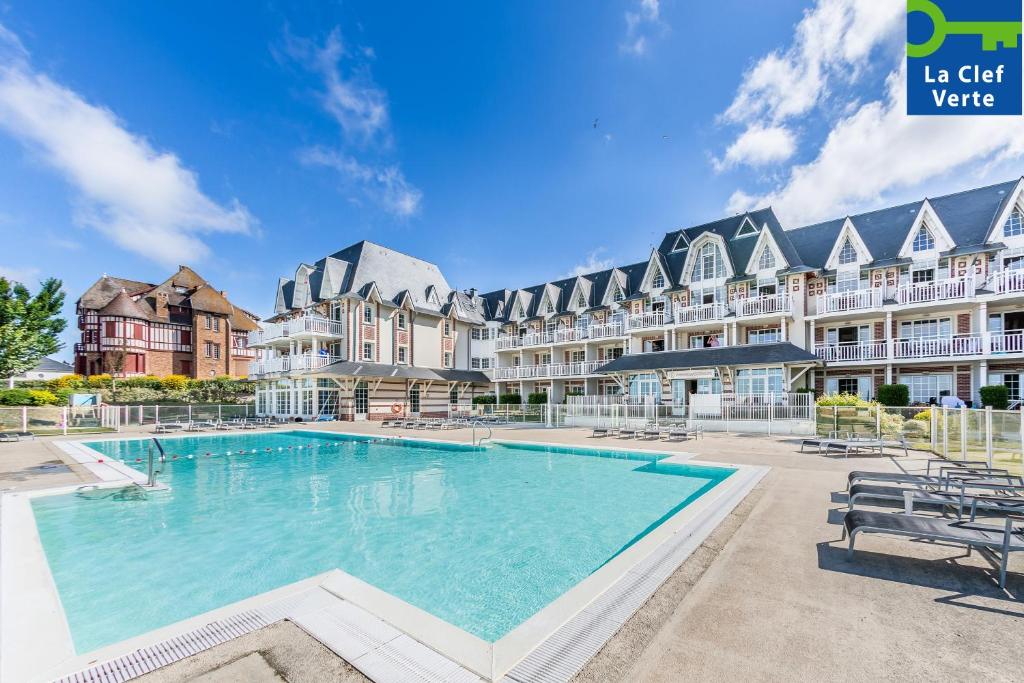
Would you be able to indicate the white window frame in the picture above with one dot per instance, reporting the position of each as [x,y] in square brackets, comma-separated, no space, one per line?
[372,348]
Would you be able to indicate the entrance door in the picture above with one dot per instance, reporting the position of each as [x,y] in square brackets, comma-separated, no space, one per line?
[362,400]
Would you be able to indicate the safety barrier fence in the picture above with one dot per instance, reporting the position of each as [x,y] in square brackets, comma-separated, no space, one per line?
[47,420]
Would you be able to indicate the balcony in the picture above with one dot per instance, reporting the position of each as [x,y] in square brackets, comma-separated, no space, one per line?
[1007,282]
[646,321]
[938,347]
[294,363]
[700,313]
[297,328]
[774,304]
[549,370]
[569,334]
[605,331]
[507,341]
[846,352]
[939,290]
[853,300]
[1011,341]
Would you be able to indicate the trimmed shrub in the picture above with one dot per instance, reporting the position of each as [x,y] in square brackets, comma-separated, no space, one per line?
[846,400]
[174,383]
[537,399]
[511,398]
[27,397]
[66,382]
[924,416]
[133,395]
[894,395]
[485,400]
[100,381]
[995,395]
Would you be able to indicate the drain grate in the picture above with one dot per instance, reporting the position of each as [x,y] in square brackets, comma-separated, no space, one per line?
[144,660]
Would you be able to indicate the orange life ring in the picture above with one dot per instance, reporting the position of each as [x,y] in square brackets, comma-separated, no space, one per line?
[396,408]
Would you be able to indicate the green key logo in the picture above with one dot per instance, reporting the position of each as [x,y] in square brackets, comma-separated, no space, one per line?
[963,57]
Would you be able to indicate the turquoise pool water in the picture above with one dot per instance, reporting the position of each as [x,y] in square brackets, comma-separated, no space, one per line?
[482,538]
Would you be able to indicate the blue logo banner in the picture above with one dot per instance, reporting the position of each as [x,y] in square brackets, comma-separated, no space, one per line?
[964,57]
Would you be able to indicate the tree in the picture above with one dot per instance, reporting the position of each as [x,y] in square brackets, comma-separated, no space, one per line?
[29,325]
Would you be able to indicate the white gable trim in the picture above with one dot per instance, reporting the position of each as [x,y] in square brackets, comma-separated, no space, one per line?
[766,241]
[995,233]
[613,285]
[744,224]
[848,231]
[691,258]
[680,237]
[943,241]
[545,299]
[654,266]
[577,289]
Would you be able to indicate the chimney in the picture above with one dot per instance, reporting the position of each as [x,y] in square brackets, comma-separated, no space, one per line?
[224,294]
[471,292]
[161,305]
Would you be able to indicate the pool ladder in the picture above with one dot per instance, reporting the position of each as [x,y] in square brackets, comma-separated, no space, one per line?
[151,468]
[490,434]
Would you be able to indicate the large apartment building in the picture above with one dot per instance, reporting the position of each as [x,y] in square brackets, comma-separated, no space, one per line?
[181,326]
[928,294]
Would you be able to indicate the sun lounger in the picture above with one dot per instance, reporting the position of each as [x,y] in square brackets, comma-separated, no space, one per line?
[627,433]
[8,436]
[945,474]
[165,427]
[651,432]
[956,495]
[676,434]
[1002,540]
[599,432]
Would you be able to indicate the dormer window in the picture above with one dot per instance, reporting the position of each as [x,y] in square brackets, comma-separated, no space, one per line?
[847,254]
[658,281]
[581,302]
[680,243]
[767,260]
[709,264]
[924,240]
[1014,226]
[548,308]
[747,228]
[617,294]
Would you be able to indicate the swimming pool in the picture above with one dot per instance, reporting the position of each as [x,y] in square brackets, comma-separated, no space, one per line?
[480,537]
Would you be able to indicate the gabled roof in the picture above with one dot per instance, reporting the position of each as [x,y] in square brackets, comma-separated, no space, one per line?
[126,307]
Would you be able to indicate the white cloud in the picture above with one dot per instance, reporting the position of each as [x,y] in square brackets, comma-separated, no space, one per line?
[386,185]
[27,276]
[831,47]
[759,145]
[592,264]
[143,199]
[360,107]
[879,149]
[642,23]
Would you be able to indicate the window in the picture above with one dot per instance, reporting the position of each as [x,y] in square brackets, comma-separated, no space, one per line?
[368,351]
[709,264]
[361,394]
[1014,226]
[447,359]
[208,323]
[548,307]
[367,314]
[704,341]
[767,260]
[847,280]
[216,324]
[659,281]
[475,364]
[212,350]
[923,388]
[577,356]
[1011,380]
[680,243]
[759,381]
[284,401]
[617,294]
[747,229]
[922,276]
[581,301]
[401,354]
[858,386]
[771,336]
[453,396]
[847,254]
[414,400]
[926,329]
[400,320]
[646,384]
[475,333]
[923,241]
[447,328]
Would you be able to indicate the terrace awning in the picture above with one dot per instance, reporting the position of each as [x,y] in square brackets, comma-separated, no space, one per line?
[356,369]
[751,354]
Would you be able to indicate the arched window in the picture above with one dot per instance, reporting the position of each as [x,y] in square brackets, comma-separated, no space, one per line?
[767,260]
[709,264]
[658,281]
[847,254]
[923,241]
[1014,226]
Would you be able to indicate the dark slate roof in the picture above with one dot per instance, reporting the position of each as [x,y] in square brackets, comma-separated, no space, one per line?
[51,365]
[758,354]
[347,368]
[968,216]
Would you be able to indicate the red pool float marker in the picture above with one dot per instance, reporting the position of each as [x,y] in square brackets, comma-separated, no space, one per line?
[99,459]
[138,459]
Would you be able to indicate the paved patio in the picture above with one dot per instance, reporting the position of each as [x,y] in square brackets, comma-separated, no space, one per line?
[769,595]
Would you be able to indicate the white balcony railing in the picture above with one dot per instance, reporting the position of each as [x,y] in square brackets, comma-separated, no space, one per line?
[1007,282]
[700,313]
[570,334]
[1007,342]
[853,300]
[612,329]
[297,362]
[939,290]
[312,325]
[579,369]
[644,321]
[507,341]
[773,304]
[851,351]
[960,345]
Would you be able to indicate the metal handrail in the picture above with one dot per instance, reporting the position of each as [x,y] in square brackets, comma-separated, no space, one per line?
[489,436]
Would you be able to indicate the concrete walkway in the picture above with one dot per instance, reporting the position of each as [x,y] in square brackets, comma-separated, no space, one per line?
[770,595]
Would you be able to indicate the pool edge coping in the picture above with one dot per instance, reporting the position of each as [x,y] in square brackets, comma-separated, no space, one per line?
[498,659]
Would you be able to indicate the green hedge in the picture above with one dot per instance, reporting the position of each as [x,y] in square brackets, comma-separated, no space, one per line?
[995,395]
[485,400]
[510,398]
[537,399]
[894,395]
[28,397]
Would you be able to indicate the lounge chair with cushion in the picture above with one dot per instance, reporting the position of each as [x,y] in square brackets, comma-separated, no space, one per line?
[945,474]
[8,436]
[1002,540]
[651,432]
[961,494]
[627,433]
[599,432]
[165,427]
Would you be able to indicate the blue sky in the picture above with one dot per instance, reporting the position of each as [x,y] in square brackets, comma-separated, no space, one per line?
[135,136]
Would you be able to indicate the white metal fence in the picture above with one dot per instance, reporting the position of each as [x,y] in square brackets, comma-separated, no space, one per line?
[83,419]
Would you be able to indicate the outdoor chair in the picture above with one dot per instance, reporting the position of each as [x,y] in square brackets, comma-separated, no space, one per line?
[945,474]
[960,494]
[8,436]
[599,432]
[651,432]
[627,433]
[165,427]
[1001,540]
